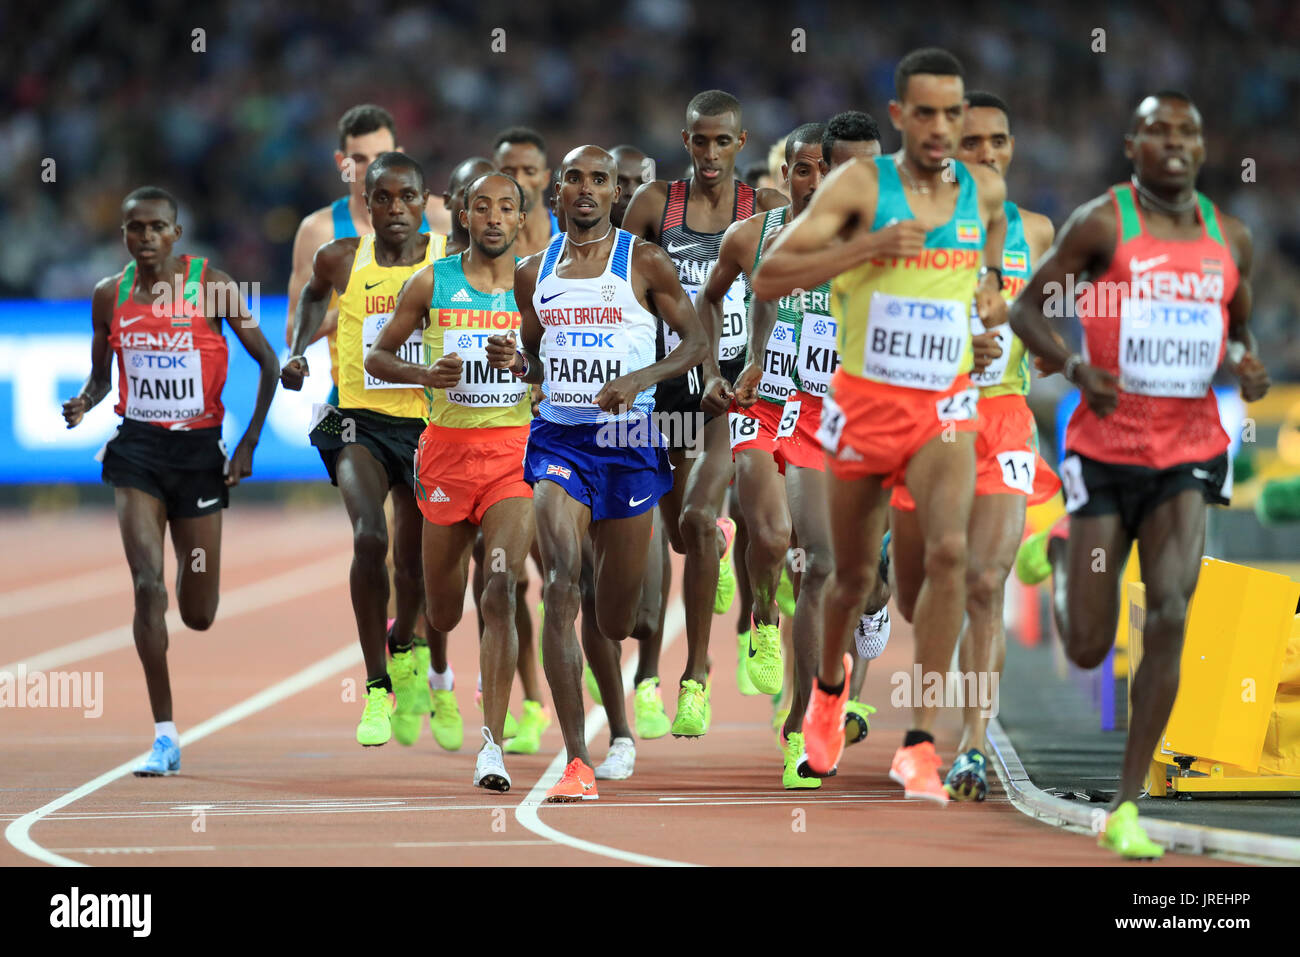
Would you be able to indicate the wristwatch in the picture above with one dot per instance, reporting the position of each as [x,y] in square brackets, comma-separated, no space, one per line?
[992,269]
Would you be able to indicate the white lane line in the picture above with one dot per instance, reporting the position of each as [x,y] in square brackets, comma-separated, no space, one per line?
[526,811]
[65,591]
[18,834]
[403,845]
[305,580]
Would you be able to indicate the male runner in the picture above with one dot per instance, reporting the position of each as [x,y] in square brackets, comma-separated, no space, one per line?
[634,168]
[687,218]
[464,173]
[469,467]
[166,462]
[365,131]
[1168,294]
[368,443]
[1009,470]
[521,152]
[900,407]
[594,458]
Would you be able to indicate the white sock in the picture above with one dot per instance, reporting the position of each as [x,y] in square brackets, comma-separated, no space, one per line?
[442,682]
[166,729]
[480,682]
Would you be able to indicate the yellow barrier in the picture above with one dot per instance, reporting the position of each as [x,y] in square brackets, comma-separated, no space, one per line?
[1225,733]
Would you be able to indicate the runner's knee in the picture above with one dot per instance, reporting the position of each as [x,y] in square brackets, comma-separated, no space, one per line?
[497,603]
[150,592]
[370,542]
[946,554]
[818,563]
[768,540]
[984,588]
[615,619]
[699,525]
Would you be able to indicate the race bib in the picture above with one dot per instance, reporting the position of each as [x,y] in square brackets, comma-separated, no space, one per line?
[480,386]
[832,426]
[412,350]
[744,428]
[959,406]
[163,386]
[1168,347]
[1076,492]
[735,330]
[819,356]
[1018,470]
[915,343]
[580,362]
[789,418]
[779,360]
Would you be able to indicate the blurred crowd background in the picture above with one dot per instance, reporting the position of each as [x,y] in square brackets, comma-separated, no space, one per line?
[243,132]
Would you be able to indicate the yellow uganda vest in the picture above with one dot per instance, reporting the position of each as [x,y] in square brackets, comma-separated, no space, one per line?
[364,307]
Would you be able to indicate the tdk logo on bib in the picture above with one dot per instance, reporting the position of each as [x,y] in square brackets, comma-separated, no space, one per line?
[821,327]
[586,340]
[160,360]
[779,333]
[920,310]
[1180,314]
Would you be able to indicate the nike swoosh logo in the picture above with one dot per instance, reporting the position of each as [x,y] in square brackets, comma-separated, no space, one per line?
[1142,265]
[126,322]
[372,285]
[676,249]
[205,502]
[752,652]
[634,502]
[546,299]
[1201,474]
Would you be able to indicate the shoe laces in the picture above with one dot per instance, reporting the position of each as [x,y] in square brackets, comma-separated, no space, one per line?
[487,737]
[570,772]
[376,702]
[160,745]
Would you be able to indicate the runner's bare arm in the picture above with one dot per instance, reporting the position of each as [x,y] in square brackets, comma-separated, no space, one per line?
[313,232]
[250,336]
[1249,371]
[762,320]
[330,268]
[768,198]
[661,290]
[992,190]
[708,301]
[501,350]
[1039,233]
[101,354]
[646,210]
[1083,249]
[382,361]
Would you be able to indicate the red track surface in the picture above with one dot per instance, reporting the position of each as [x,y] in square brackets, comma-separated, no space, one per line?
[288,784]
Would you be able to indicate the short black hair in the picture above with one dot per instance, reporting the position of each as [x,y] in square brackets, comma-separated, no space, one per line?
[482,176]
[753,174]
[150,192]
[1167,94]
[925,60]
[983,98]
[811,133]
[713,103]
[392,161]
[851,126]
[519,134]
[364,119]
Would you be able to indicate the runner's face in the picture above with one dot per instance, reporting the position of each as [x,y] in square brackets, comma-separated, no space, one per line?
[929,118]
[493,216]
[588,191]
[526,163]
[150,231]
[1168,147]
[358,153]
[986,138]
[560,219]
[804,174]
[631,167]
[396,204]
[454,197]
[844,150]
[713,142]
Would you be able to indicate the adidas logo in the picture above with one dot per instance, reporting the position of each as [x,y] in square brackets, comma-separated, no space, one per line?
[461,296]
[850,454]
[438,495]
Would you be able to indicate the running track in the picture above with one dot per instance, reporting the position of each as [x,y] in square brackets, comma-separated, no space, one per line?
[276,778]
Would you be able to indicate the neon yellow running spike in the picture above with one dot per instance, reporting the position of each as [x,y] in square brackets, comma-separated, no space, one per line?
[726,593]
[856,721]
[648,711]
[1124,835]
[1032,564]
[406,693]
[743,684]
[766,669]
[593,688]
[527,738]
[785,594]
[423,659]
[375,727]
[445,721]
[693,711]
[790,778]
